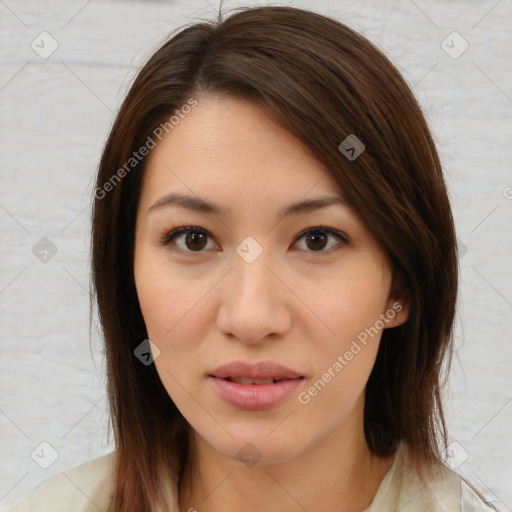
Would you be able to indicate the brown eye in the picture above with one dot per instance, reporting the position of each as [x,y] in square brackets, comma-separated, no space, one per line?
[195,240]
[190,238]
[317,239]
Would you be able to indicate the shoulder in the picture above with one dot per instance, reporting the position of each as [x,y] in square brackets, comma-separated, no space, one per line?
[471,500]
[440,488]
[81,489]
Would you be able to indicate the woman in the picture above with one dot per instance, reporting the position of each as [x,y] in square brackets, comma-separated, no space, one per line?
[275,266]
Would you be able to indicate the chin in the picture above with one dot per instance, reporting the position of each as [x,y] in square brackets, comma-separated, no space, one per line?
[257,450]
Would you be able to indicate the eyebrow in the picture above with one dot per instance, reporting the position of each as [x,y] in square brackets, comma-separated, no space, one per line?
[203,206]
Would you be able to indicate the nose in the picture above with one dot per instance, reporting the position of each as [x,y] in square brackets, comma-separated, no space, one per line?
[254,301]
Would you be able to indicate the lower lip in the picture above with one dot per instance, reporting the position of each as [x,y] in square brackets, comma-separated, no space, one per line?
[254,397]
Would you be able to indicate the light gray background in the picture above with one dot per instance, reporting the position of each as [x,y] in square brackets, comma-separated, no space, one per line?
[55,114]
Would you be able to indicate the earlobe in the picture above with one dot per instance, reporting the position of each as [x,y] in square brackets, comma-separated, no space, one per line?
[397,312]
[398,306]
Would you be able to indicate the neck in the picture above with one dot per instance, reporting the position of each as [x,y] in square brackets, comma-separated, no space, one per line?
[339,474]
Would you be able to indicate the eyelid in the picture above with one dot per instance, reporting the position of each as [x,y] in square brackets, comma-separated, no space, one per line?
[169,236]
[334,232]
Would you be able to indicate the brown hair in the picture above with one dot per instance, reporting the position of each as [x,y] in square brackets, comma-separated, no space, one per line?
[322,82]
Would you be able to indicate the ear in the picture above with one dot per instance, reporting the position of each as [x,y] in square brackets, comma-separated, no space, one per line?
[397,312]
[398,305]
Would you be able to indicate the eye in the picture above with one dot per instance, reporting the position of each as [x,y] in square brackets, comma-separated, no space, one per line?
[317,238]
[196,239]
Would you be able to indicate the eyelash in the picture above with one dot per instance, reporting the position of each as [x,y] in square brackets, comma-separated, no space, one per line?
[170,236]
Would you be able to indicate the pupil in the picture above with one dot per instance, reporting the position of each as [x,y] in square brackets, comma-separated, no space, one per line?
[195,237]
[315,239]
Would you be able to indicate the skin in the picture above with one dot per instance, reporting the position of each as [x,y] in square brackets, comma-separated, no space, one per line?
[298,303]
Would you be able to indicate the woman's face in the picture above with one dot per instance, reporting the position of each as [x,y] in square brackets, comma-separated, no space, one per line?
[252,284]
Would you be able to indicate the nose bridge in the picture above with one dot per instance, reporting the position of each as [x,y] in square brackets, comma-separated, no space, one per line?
[251,267]
[252,305]
[253,281]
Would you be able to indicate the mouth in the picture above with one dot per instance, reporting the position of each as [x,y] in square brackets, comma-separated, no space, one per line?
[265,372]
[253,387]
[251,394]
[247,381]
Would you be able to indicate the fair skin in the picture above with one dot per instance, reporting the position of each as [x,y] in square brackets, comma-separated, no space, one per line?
[300,303]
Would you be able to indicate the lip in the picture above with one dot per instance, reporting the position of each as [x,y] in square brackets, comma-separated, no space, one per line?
[262,370]
[253,397]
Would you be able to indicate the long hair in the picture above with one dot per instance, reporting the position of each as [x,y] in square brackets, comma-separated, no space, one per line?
[322,82]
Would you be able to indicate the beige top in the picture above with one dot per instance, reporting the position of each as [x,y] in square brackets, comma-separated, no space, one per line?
[87,488]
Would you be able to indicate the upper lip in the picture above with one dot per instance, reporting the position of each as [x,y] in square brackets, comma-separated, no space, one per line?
[263,370]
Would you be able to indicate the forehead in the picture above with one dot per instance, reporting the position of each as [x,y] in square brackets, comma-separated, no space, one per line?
[229,144]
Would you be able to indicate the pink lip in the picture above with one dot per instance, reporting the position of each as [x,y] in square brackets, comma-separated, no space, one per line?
[254,397]
[263,370]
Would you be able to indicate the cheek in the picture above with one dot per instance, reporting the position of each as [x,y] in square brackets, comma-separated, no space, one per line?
[343,359]
[352,299]
[154,301]
[165,296]
[168,304]
[350,305]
